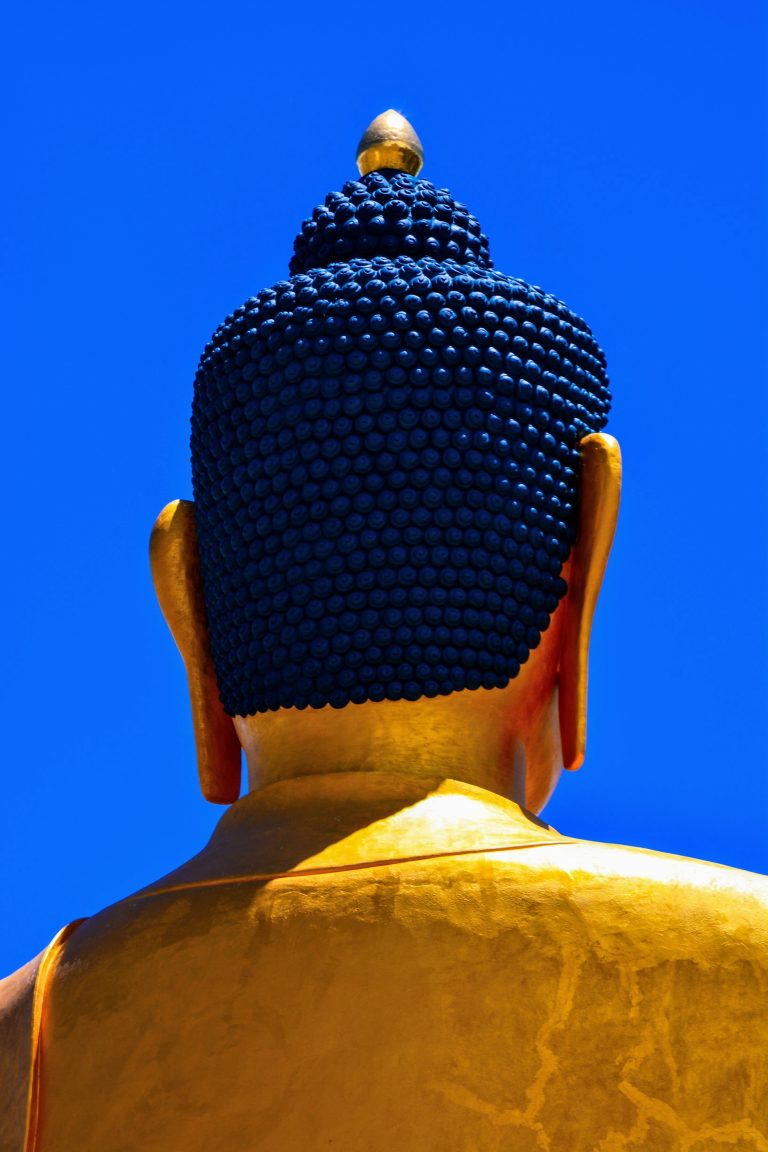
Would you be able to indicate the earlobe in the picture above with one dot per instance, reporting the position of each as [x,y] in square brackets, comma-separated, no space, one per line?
[176,576]
[599,493]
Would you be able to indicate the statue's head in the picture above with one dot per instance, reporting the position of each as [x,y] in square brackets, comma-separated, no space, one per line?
[403,503]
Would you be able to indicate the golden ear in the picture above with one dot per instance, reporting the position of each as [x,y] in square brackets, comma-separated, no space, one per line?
[599,493]
[176,575]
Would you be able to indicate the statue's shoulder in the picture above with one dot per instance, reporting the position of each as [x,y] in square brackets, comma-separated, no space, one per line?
[673,879]
[594,976]
[21,1002]
[652,904]
[17,994]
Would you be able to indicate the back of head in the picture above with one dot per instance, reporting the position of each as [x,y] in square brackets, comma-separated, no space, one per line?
[385,453]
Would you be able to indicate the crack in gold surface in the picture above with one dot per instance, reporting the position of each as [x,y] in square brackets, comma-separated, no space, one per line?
[654,1041]
[654,1109]
[567,985]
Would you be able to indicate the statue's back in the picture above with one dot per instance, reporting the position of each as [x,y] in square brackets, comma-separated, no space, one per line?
[555,995]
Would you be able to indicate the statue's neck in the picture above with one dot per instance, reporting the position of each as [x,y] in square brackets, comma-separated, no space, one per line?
[322,823]
[474,737]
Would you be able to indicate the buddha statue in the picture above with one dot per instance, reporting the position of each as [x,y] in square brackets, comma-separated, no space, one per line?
[383,594]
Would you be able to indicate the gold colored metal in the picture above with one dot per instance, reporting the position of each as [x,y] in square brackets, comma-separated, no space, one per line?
[599,496]
[390,141]
[176,576]
[43,976]
[372,961]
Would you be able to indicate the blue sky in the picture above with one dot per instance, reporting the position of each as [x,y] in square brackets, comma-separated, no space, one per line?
[159,160]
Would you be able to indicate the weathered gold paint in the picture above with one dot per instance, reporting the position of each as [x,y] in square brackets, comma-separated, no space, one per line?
[390,141]
[378,962]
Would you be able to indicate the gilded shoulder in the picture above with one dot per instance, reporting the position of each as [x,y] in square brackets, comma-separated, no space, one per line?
[17,993]
[651,905]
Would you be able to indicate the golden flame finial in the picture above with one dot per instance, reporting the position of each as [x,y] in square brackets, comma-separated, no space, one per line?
[389,141]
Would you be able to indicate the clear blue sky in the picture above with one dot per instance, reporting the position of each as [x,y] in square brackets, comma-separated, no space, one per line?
[159,160]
